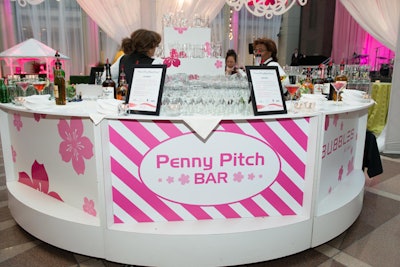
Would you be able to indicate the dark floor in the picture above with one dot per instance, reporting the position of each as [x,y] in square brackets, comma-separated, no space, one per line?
[373,240]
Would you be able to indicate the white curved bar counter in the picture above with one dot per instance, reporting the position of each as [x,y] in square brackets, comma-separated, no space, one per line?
[152,191]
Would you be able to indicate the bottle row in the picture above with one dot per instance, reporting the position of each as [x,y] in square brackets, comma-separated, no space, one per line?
[321,80]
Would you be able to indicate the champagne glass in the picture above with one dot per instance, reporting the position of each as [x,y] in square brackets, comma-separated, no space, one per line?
[338,86]
[292,89]
[24,86]
[39,86]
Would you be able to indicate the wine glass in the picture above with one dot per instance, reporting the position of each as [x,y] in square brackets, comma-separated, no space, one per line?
[338,86]
[24,86]
[292,89]
[39,86]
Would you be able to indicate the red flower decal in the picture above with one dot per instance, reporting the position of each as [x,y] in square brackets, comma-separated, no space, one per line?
[39,181]
[180,30]
[173,59]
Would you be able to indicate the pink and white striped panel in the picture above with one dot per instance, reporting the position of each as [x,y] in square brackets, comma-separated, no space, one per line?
[273,188]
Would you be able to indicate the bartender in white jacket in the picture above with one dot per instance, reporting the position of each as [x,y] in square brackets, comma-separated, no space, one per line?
[266,49]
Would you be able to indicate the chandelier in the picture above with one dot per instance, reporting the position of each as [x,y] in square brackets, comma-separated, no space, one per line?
[267,8]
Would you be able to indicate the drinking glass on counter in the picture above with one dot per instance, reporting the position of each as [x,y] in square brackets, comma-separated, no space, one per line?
[24,84]
[292,89]
[39,86]
[206,96]
[338,86]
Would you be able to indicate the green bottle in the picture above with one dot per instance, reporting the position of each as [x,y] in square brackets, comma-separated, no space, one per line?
[4,97]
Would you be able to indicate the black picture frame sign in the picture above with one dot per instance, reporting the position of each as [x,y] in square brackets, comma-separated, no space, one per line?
[145,92]
[266,90]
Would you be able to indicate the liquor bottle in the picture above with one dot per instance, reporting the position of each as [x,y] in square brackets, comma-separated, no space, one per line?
[307,84]
[4,97]
[341,76]
[328,88]
[57,55]
[60,91]
[109,91]
[122,85]
[319,80]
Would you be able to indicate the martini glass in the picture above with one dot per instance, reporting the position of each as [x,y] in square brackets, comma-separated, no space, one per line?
[24,86]
[39,86]
[338,86]
[292,89]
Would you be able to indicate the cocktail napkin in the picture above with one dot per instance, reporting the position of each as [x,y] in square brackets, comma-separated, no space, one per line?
[105,107]
[37,102]
[203,125]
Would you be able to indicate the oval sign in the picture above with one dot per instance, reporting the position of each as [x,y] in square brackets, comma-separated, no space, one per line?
[229,167]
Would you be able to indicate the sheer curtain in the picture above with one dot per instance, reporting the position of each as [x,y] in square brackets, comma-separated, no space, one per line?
[381,18]
[252,27]
[119,18]
[7,37]
[57,24]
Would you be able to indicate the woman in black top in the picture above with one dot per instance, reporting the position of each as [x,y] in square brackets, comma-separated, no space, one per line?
[144,44]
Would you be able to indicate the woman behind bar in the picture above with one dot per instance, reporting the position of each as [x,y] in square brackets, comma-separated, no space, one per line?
[268,51]
[230,64]
[126,49]
[143,45]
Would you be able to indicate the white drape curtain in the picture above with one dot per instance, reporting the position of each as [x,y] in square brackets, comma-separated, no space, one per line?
[381,19]
[119,18]
[378,17]
[57,24]
[252,27]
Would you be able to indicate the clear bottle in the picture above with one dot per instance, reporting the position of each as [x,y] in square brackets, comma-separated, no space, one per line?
[4,97]
[122,85]
[108,85]
[319,80]
[60,91]
[342,77]
[307,84]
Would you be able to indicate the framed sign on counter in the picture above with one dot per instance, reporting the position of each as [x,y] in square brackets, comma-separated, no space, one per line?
[145,92]
[266,90]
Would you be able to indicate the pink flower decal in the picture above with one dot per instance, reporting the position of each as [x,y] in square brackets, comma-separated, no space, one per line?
[340,173]
[238,177]
[326,122]
[39,181]
[173,59]
[218,64]
[251,176]
[17,121]
[335,119]
[180,30]
[207,48]
[14,154]
[350,166]
[88,206]
[38,116]
[170,179]
[184,179]
[74,146]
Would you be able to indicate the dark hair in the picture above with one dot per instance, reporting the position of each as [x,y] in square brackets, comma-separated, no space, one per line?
[143,40]
[126,45]
[270,45]
[231,53]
